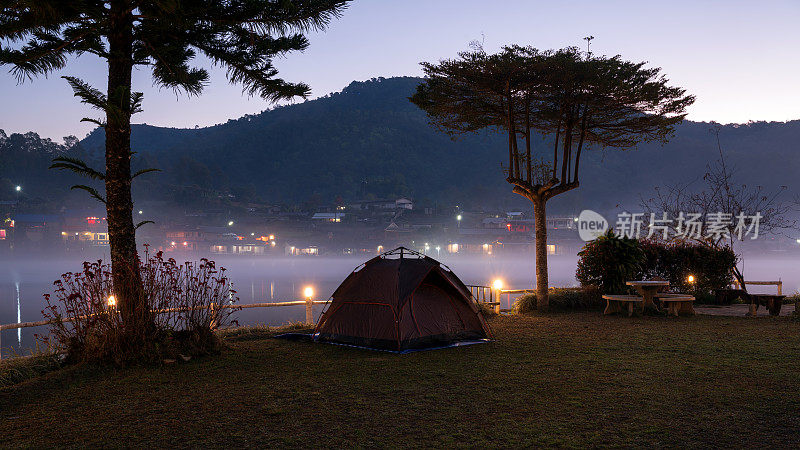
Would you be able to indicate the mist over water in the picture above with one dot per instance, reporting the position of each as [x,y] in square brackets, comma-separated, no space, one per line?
[24,281]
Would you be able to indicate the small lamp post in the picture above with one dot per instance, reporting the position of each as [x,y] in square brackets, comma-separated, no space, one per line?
[308,292]
[497,288]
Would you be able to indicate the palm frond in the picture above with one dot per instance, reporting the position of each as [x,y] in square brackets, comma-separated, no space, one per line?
[78,166]
[144,171]
[92,191]
[87,94]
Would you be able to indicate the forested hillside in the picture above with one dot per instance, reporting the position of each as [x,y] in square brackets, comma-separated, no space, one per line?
[326,148]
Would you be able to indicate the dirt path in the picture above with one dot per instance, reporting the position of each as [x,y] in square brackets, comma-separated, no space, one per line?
[739,310]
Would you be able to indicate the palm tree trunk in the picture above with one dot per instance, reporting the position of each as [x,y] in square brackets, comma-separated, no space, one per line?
[540,225]
[119,204]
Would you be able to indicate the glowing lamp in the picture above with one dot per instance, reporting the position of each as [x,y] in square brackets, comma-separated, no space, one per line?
[690,279]
[308,292]
[458,217]
[18,188]
[497,284]
[172,243]
[271,237]
[112,301]
[230,223]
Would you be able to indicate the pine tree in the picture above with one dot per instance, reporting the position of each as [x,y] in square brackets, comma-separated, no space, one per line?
[37,37]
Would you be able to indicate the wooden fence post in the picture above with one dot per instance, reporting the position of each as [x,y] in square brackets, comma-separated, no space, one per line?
[496,293]
[780,287]
[212,308]
[309,311]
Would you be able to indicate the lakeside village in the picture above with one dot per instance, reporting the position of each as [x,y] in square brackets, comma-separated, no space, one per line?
[354,228]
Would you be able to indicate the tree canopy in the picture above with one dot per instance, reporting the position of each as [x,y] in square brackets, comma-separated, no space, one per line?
[579,98]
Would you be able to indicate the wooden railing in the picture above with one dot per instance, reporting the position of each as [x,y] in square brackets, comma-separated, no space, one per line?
[481,294]
[309,304]
[490,296]
[778,283]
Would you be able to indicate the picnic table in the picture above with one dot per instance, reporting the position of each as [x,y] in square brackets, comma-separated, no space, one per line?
[648,289]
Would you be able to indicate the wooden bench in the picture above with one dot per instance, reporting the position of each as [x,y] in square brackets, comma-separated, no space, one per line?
[677,303]
[616,303]
[772,302]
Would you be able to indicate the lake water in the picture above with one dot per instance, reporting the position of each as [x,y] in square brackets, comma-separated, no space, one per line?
[23,282]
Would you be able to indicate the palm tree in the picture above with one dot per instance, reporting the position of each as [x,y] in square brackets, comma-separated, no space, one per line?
[37,37]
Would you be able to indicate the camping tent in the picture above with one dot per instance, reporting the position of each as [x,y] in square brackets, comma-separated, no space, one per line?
[401,300]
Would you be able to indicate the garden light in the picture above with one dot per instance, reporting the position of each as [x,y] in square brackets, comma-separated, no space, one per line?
[112,301]
[690,279]
[308,292]
[497,284]
[18,188]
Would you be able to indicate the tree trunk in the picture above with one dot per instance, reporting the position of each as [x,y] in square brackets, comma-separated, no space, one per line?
[540,224]
[119,204]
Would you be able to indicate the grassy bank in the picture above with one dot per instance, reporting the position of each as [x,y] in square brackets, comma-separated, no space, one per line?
[561,379]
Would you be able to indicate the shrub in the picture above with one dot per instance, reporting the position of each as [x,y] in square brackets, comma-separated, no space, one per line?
[486,310]
[563,299]
[185,300]
[674,262]
[608,262]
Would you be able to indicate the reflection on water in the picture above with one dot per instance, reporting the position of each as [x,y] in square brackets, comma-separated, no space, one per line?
[23,283]
[19,315]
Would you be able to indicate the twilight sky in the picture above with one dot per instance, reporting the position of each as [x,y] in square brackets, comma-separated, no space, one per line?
[740,58]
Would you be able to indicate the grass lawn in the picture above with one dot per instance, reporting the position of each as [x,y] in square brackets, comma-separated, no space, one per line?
[555,380]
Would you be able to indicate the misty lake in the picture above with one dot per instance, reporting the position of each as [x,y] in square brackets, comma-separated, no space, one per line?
[24,281]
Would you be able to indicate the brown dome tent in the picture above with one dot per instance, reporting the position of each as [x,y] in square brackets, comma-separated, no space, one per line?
[400,301]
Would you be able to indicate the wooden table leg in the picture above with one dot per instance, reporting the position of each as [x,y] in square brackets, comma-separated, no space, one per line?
[630,309]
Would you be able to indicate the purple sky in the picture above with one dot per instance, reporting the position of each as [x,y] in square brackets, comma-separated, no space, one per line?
[740,58]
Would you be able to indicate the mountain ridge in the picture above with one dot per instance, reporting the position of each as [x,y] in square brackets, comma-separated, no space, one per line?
[322,149]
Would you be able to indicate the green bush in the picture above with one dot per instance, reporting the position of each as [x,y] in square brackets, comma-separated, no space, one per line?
[563,299]
[675,262]
[486,310]
[608,262]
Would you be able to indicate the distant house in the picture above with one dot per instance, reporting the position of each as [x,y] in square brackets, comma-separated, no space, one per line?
[328,216]
[382,205]
[91,231]
[403,203]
